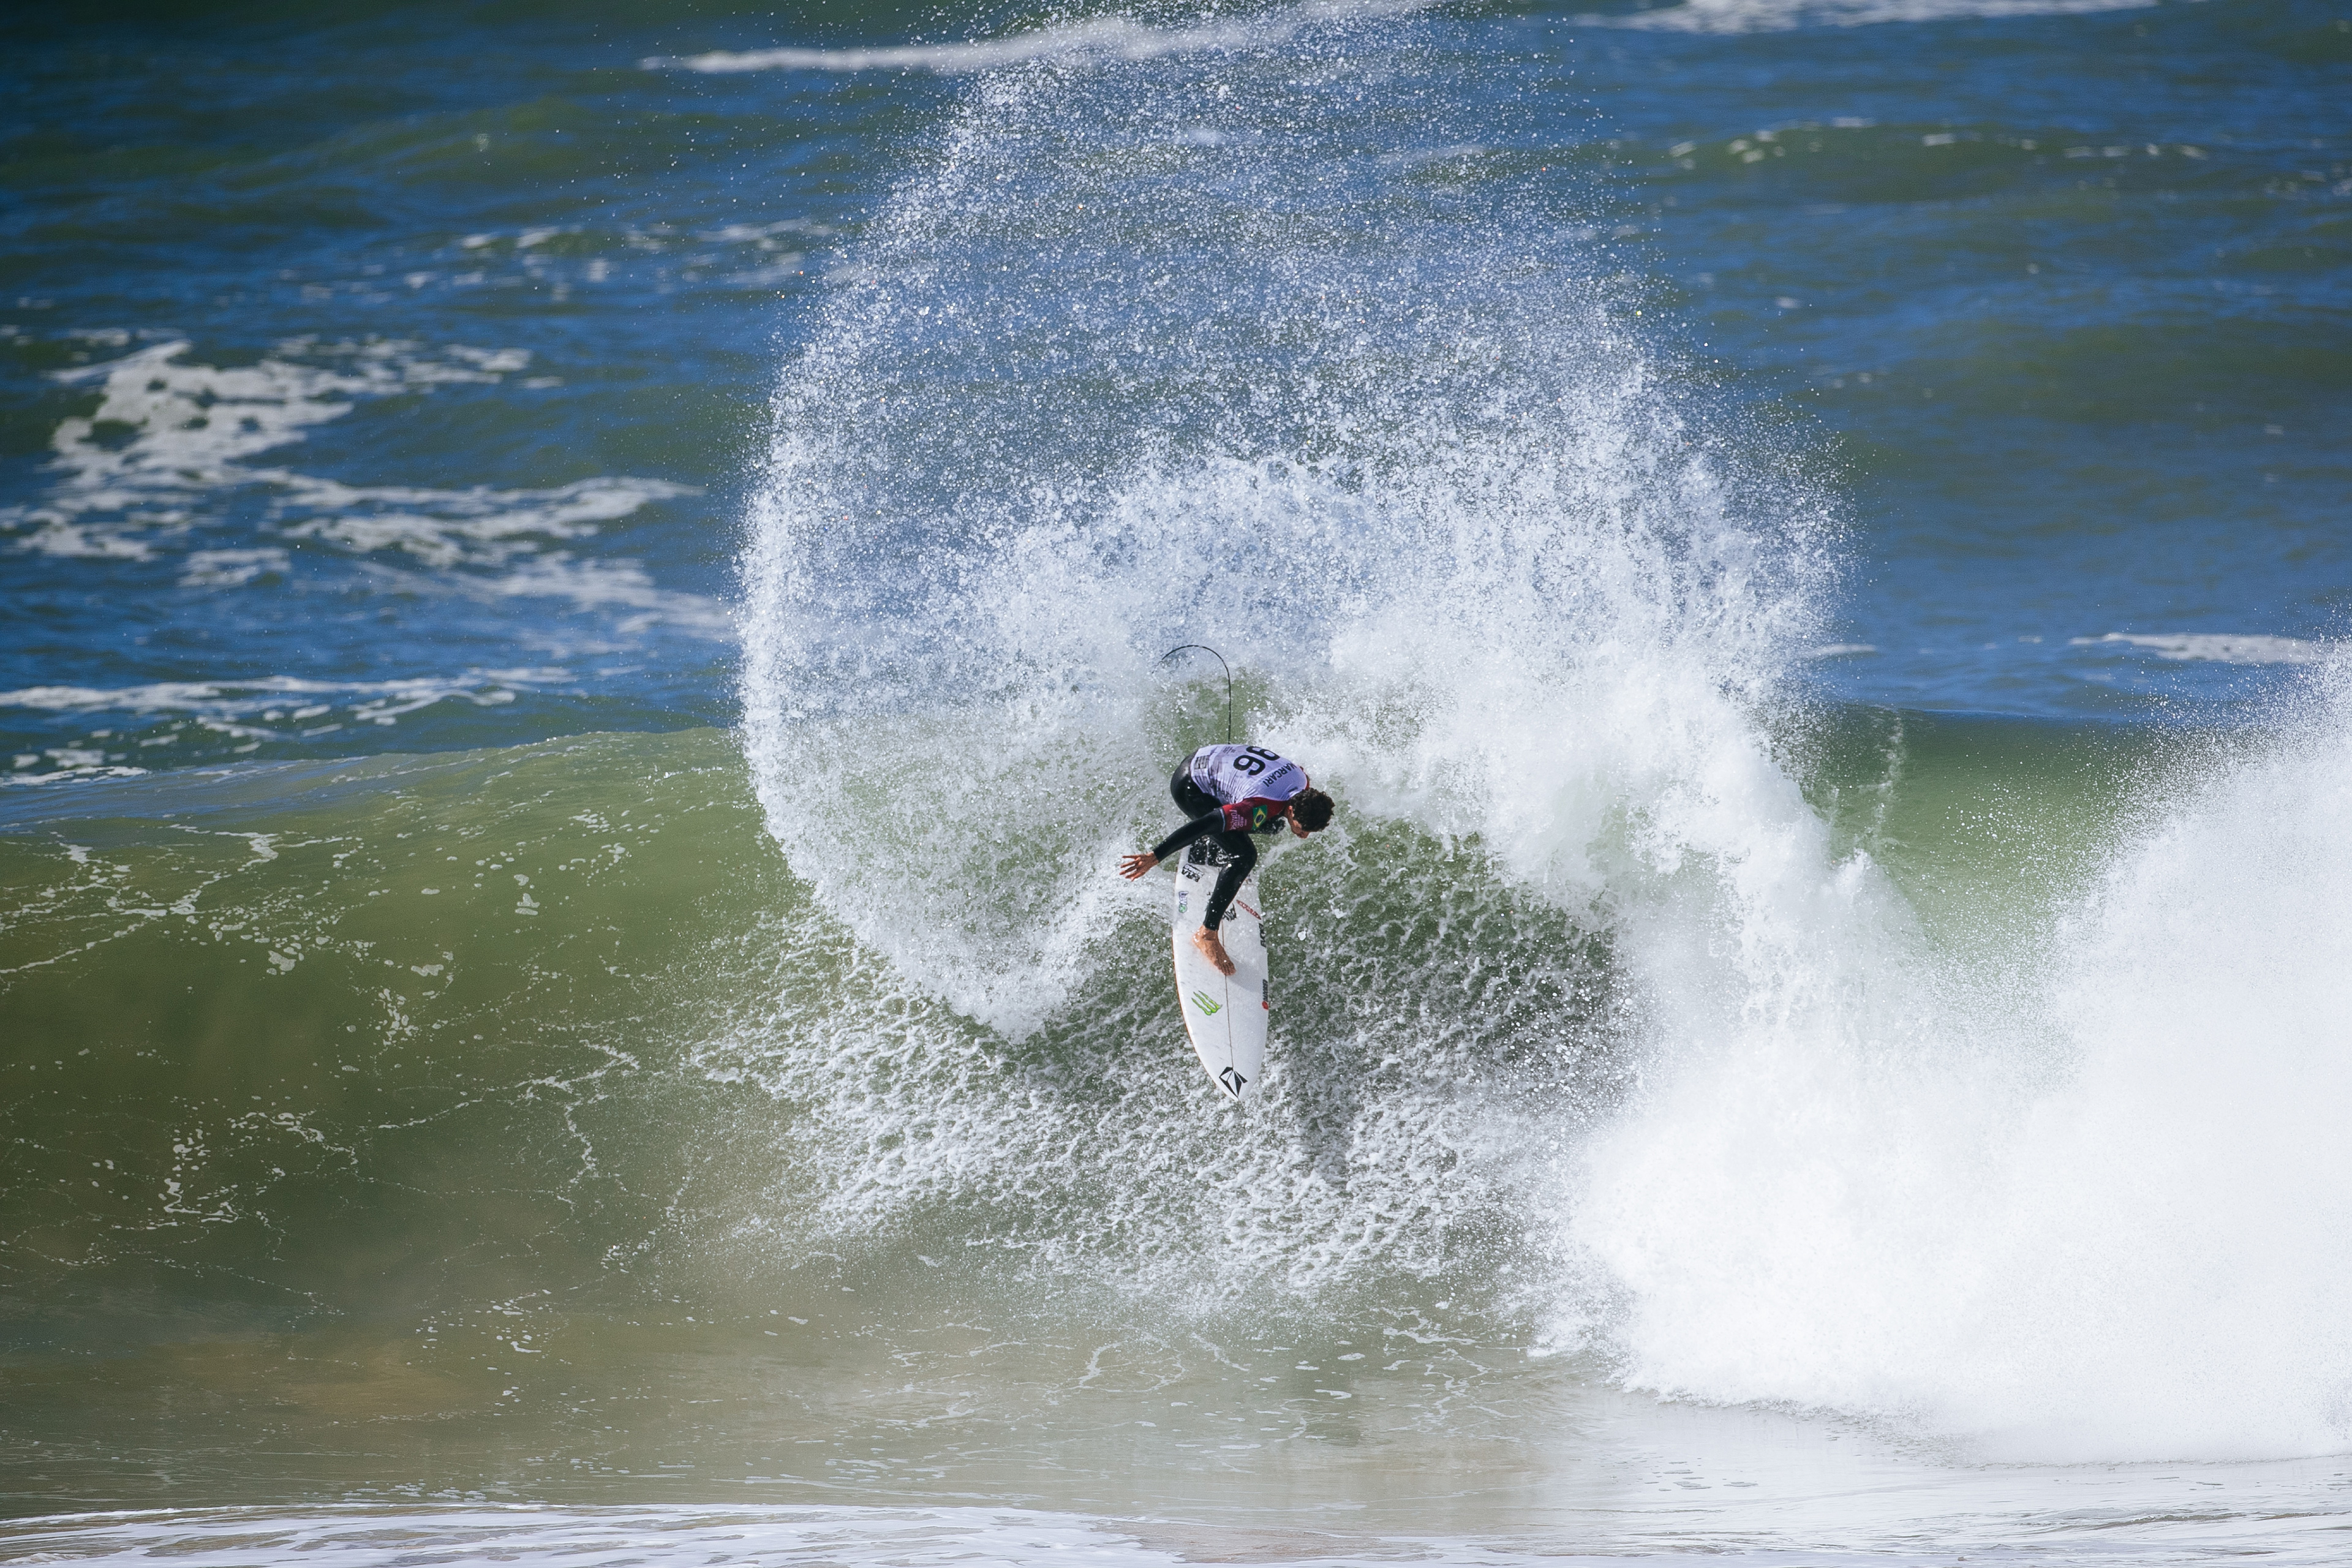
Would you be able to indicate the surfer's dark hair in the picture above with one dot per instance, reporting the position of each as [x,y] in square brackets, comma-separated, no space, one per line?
[1311,810]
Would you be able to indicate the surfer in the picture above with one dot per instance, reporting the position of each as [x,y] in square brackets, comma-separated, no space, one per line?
[1230,793]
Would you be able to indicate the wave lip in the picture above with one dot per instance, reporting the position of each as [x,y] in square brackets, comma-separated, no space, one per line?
[1100,39]
[1787,15]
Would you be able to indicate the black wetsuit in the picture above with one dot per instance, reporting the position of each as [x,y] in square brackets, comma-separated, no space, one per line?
[1209,820]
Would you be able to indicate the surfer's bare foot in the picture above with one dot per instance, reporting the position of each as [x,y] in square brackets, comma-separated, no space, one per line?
[1213,950]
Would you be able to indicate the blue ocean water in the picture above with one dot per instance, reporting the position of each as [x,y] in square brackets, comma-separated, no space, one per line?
[581,600]
[404,375]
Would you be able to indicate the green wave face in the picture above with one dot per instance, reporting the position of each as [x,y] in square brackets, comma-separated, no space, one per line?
[408,1032]
[520,1115]
[429,1105]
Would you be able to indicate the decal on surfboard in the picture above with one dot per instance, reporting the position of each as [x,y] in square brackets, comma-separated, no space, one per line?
[1224,1019]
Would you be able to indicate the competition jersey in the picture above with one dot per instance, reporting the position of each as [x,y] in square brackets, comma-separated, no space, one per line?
[1251,785]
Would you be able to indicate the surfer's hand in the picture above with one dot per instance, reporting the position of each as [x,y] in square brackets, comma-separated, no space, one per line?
[1213,949]
[1134,865]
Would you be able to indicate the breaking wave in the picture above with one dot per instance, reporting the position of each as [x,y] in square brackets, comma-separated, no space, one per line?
[1595,1005]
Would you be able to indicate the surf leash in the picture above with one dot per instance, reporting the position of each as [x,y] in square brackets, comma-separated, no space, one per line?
[1212,653]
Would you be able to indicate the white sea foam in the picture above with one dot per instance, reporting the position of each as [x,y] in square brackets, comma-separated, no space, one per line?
[1784,15]
[30,773]
[389,1536]
[1096,39]
[2218,648]
[2086,1224]
[229,568]
[167,426]
[247,707]
[141,475]
[1876,1521]
[614,584]
[478,527]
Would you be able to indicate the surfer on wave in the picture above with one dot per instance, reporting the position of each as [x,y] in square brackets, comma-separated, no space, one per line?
[1230,793]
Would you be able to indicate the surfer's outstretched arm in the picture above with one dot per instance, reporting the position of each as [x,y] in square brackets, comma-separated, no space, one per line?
[1134,865]
[1241,859]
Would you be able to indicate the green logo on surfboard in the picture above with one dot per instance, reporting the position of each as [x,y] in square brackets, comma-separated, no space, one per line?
[1201,1000]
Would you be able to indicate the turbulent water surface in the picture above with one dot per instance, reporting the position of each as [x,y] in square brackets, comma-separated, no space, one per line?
[581,593]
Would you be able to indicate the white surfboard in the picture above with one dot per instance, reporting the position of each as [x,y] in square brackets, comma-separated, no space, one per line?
[1225,1016]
